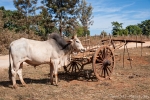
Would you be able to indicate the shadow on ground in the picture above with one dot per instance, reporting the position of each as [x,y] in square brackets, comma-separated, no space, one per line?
[82,76]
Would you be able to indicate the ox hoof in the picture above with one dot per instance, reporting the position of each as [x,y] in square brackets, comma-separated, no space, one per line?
[52,83]
[56,85]
[24,85]
[14,86]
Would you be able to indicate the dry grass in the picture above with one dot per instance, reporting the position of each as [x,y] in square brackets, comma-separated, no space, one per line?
[126,84]
[6,37]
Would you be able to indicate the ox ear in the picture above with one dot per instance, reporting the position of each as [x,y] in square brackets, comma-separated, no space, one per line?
[74,36]
[70,41]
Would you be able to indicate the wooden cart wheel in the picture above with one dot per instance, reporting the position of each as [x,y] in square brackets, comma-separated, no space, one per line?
[103,62]
[73,67]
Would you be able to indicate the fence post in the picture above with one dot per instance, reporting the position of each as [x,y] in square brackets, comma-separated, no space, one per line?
[141,44]
[136,40]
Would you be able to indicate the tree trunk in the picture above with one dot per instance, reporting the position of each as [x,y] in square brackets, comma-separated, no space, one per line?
[60,25]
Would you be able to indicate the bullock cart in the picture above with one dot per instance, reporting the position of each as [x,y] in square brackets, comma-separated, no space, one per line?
[101,56]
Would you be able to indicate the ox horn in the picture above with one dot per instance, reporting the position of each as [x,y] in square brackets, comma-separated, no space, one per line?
[74,36]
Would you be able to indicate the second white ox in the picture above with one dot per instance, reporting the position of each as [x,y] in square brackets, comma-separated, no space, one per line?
[54,52]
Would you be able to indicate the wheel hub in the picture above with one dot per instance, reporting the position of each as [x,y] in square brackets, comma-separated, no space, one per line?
[106,62]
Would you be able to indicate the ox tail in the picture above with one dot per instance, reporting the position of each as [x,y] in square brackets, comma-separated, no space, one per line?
[9,71]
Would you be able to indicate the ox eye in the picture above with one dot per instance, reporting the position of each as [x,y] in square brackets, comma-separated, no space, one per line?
[77,41]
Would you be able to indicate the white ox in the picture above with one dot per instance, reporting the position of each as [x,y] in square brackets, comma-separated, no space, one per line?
[54,52]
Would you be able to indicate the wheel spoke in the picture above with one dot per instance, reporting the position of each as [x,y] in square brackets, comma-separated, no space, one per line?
[99,60]
[100,56]
[98,67]
[100,64]
[73,67]
[107,72]
[106,52]
[78,67]
[104,72]
[79,64]
[103,53]
[69,68]
[109,69]
[109,53]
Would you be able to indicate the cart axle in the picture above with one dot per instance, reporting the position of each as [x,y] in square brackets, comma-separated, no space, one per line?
[106,62]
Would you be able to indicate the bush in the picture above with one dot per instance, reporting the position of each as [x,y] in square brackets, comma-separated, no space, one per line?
[6,37]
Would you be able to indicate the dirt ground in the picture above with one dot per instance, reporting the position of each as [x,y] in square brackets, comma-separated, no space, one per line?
[126,84]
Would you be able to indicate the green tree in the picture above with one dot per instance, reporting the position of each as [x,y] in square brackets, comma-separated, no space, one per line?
[1,20]
[2,8]
[45,25]
[145,26]
[103,33]
[117,27]
[27,9]
[8,18]
[133,29]
[63,12]
[80,30]
[124,32]
[85,16]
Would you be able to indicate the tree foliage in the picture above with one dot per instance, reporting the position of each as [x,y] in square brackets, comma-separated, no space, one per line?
[80,31]
[145,27]
[117,28]
[8,19]
[103,34]
[85,16]
[63,12]
[141,28]
[26,10]
[55,15]
[1,22]
[133,29]
[44,25]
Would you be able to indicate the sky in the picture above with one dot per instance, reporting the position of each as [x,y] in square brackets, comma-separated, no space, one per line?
[128,12]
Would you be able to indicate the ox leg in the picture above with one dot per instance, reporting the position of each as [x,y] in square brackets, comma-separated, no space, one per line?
[56,74]
[19,72]
[14,73]
[14,78]
[51,73]
[56,79]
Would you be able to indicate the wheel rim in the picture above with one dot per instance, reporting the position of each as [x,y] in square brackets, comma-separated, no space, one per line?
[73,67]
[103,62]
